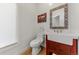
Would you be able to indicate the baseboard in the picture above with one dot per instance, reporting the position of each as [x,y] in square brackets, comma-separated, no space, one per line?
[28,51]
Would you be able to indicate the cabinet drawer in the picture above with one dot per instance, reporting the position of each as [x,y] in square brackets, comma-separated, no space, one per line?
[52,43]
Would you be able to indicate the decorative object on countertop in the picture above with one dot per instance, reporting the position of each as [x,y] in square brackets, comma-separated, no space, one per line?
[59,17]
[42,17]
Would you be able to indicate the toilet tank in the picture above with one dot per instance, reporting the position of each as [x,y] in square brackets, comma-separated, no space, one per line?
[44,42]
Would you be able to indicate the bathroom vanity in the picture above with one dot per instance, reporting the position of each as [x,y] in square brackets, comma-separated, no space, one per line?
[61,48]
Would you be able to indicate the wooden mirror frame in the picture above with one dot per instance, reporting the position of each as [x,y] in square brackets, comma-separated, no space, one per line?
[65,6]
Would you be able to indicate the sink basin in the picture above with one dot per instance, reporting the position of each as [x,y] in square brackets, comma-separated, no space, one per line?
[63,38]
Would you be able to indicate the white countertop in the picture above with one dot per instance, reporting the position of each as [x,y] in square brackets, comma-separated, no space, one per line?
[63,38]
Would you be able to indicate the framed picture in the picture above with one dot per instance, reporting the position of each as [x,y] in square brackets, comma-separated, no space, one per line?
[59,17]
[42,18]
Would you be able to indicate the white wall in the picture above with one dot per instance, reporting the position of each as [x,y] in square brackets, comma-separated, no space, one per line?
[19,18]
[72,19]
[7,24]
[26,23]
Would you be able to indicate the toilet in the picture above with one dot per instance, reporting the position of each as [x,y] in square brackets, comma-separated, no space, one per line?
[36,43]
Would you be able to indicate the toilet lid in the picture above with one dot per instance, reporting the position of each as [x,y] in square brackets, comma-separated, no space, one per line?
[37,40]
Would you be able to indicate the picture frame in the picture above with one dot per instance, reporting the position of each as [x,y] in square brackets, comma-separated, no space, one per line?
[42,18]
[59,17]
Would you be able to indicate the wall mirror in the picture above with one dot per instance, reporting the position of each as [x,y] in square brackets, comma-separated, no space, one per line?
[59,17]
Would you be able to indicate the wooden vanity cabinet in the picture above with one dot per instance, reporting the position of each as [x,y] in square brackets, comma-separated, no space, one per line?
[61,49]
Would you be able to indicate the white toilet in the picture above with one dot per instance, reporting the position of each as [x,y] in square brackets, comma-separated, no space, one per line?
[36,43]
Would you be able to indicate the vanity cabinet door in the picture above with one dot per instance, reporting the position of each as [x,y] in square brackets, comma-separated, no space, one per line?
[64,49]
[57,48]
[49,47]
[74,48]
